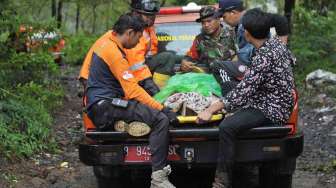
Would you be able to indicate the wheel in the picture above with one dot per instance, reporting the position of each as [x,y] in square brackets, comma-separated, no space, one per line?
[108,176]
[107,172]
[196,177]
[245,175]
[108,183]
[284,180]
[275,180]
[277,174]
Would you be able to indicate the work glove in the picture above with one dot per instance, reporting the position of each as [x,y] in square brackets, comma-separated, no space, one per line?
[149,86]
[171,115]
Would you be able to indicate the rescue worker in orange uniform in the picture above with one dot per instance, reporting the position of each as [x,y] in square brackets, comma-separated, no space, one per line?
[143,58]
[150,64]
[147,46]
[113,94]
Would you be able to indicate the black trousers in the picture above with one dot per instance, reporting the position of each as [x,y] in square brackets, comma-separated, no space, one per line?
[230,128]
[104,114]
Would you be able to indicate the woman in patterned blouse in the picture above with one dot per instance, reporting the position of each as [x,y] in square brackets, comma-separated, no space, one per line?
[264,96]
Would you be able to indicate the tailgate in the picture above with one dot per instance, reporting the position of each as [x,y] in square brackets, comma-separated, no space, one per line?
[191,152]
[209,132]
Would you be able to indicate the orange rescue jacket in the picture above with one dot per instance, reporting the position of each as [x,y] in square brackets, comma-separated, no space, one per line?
[136,56]
[111,52]
[84,72]
[147,46]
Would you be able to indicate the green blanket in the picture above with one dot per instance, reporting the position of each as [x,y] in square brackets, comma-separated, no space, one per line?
[202,83]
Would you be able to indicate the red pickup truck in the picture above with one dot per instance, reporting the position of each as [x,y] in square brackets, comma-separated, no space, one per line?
[119,159]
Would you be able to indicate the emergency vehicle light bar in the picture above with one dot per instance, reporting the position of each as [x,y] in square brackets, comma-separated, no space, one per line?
[190,8]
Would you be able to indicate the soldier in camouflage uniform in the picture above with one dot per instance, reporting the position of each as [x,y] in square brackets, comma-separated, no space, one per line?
[213,49]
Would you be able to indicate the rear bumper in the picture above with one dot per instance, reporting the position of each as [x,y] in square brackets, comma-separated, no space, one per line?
[206,132]
[204,152]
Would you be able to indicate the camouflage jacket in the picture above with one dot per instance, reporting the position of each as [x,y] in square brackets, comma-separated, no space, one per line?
[206,49]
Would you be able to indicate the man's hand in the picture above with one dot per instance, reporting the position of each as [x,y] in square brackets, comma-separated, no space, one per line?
[171,115]
[186,65]
[204,116]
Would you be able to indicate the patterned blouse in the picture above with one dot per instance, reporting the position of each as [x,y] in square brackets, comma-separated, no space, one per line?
[268,85]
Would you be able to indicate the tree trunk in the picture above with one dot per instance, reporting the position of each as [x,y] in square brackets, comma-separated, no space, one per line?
[59,13]
[53,8]
[324,8]
[289,6]
[94,19]
[77,17]
[306,4]
[246,4]
[163,3]
[107,21]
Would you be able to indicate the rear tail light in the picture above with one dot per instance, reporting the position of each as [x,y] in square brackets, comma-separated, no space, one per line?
[292,122]
[88,124]
[292,127]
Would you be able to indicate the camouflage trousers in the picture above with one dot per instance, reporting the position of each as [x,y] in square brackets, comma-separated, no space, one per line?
[164,62]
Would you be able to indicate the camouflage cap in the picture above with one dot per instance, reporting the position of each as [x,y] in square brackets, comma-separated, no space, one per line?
[206,12]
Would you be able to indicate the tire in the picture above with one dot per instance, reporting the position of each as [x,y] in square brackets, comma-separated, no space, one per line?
[107,172]
[196,177]
[108,176]
[277,174]
[108,183]
[245,175]
[276,181]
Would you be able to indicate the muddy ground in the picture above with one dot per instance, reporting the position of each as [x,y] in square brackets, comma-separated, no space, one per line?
[64,170]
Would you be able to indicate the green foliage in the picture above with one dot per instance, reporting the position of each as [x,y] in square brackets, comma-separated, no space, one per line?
[77,46]
[29,91]
[49,94]
[25,67]
[12,179]
[25,120]
[313,42]
[321,5]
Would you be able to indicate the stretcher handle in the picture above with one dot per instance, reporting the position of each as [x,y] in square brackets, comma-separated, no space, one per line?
[192,119]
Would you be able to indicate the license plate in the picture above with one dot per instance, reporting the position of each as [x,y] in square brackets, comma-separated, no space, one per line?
[135,154]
